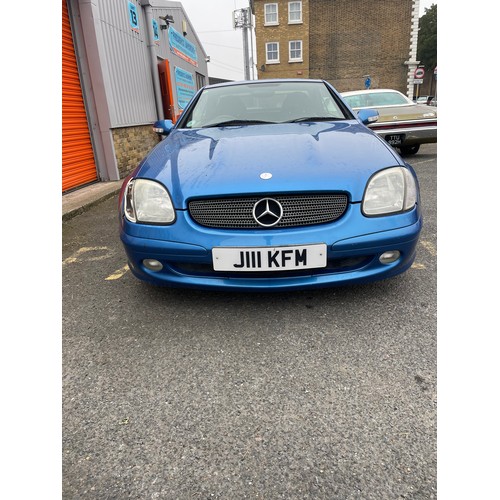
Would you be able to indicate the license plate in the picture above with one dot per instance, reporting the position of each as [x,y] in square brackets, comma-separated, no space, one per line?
[395,140]
[269,258]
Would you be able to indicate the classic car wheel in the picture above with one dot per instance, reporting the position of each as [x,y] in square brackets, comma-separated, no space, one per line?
[410,150]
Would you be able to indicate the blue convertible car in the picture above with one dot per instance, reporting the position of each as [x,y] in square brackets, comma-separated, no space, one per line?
[270,185]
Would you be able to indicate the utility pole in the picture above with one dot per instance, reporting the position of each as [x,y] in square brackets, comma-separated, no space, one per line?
[242,19]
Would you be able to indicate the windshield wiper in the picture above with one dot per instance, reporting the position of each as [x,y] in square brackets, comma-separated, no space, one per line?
[315,119]
[229,123]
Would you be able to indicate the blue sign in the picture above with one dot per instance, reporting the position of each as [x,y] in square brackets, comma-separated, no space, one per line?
[184,83]
[182,47]
[368,82]
[133,17]
[156,32]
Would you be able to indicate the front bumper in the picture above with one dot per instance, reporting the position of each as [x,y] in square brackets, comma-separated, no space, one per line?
[412,133]
[354,245]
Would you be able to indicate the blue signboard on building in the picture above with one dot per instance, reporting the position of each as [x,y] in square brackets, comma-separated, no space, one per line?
[184,83]
[182,47]
[156,32]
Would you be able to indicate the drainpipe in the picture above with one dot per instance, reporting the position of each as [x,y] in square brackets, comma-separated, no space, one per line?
[148,11]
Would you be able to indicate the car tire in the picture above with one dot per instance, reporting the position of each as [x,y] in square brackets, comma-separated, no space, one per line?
[410,150]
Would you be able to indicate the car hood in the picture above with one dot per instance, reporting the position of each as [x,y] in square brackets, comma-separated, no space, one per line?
[406,112]
[326,156]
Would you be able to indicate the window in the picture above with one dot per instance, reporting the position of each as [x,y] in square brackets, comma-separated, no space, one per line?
[263,101]
[270,14]
[294,12]
[200,81]
[295,53]
[368,99]
[272,52]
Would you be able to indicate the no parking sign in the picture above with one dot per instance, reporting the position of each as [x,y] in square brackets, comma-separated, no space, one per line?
[419,73]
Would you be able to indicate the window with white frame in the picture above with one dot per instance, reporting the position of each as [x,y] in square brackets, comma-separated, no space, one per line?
[295,51]
[294,12]
[270,14]
[272,52]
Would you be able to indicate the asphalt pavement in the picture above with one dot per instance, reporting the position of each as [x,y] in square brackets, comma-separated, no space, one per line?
[187,394]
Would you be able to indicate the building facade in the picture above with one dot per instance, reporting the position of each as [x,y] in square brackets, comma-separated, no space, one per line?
[350,43]
[125,64]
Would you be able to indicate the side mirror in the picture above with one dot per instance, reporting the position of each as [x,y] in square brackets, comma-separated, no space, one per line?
[368,116]
[163,127]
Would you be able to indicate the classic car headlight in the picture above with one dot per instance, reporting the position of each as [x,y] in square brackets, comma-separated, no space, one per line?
[389,191]
[148,201]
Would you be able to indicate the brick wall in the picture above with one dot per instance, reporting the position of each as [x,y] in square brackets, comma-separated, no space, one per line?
[344,40]
[283,33]
[132,144]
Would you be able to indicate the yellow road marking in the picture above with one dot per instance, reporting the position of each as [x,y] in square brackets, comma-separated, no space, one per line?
[429,247]
[118,274]
[416,265]
[81,255]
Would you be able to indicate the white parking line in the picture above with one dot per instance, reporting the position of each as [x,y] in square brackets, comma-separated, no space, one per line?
[422,162]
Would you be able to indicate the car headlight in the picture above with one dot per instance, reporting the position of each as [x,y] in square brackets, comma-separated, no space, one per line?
[148,201]
[390,191]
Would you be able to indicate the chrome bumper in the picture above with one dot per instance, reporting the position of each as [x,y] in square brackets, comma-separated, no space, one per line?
[413,134]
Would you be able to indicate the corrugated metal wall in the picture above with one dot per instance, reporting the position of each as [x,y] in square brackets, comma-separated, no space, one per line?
[129,84]
[131,93]
[78,164]
[120,84]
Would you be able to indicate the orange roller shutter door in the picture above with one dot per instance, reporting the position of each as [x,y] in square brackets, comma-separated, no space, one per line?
[78,163]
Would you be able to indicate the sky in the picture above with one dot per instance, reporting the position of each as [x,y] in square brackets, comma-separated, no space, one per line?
[213,23]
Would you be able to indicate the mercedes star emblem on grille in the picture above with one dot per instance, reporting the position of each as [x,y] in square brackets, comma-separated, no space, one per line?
[267,212]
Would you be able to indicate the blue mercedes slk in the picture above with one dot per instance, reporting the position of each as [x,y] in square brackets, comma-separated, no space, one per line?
[270,185]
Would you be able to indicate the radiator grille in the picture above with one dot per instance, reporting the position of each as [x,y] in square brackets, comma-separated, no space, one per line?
[298,210]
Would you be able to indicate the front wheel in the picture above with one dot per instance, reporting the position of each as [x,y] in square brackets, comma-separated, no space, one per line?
[410,150]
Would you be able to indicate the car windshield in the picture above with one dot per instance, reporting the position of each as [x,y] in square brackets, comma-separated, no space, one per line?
[257,103]
[369,100]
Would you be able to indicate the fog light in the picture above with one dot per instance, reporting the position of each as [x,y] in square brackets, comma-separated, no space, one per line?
[153,264]
[390,256]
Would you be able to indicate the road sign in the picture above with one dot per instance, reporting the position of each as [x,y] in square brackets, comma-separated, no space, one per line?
[418,81]
[419,73]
